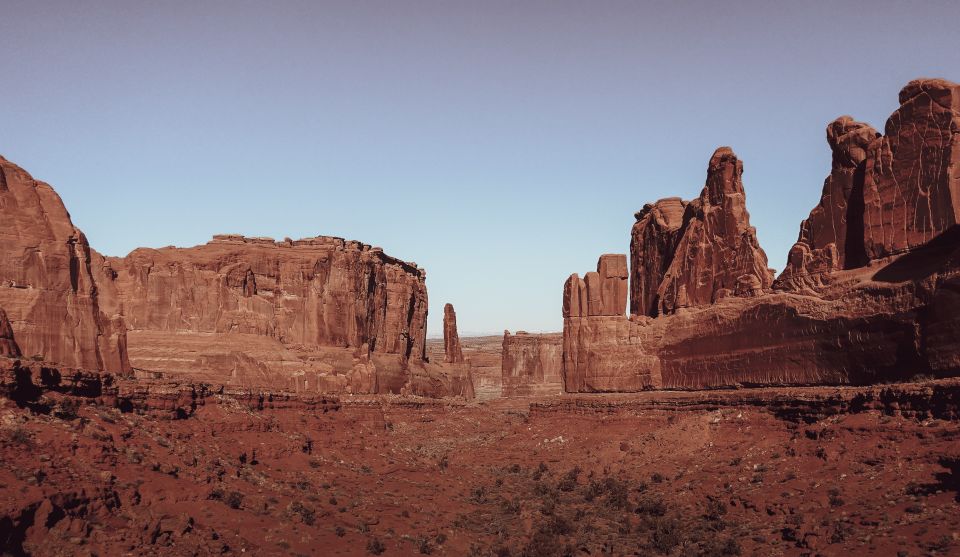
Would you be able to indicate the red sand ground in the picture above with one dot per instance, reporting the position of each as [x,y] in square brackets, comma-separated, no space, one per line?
[751,472]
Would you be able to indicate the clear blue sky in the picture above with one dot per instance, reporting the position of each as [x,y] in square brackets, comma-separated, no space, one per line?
[500,145]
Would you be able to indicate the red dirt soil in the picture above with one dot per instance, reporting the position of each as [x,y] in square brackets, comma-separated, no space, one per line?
[819,471]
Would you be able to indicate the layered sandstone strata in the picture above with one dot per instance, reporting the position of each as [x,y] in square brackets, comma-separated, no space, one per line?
[313,315]
[337,314]
[532,363]
[871,292]
[53,287]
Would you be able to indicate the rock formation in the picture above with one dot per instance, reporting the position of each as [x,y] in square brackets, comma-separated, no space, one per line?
[885,194]
[316,315]
[823,245]
[695,253]
[532,364]
[8,346]
[653,241]
[482,359]
[912,179]
[53,287]
[870,292]
[452,352]
[603,292]
[252,308]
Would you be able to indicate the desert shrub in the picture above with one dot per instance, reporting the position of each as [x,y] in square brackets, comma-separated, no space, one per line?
[720,548]
[20,436]
[540,471]
[618,496]
[375,546]
[651,505]
[510,506]
[569,480]
[715,508]
[479,495]
[307,514]
[543,543]
[835,499]
[665,534]
[840,531]
[234,500]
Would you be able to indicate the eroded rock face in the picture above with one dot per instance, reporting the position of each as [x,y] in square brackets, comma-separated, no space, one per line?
[885,194]
[314,315]
[868,295]
[575,297]
[251,308]
[53,287]
[912,181]
[8,346]
[653,241]
[452,352]
[532,364]
[612,274]
[694,253]
[824,244]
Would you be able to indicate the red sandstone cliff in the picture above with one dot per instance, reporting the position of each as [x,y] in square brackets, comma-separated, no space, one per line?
[912,179]
[315,315]
[871,291]
[885,194]
[695,253]
[53,287]
[531,364]
[339,315]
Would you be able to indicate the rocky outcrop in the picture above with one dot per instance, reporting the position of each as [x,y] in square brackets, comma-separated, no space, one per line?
[452,352]
[824,245]
[885,194]
[598,353]
[601,292]
[8,346]
[694,253]
[341,313]
[319,314]
[653,241]
[912,178]
[532,364]
[870,294]
[889,321]
[53,286]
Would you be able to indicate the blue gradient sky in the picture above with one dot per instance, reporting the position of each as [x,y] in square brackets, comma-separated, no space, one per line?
[500,145]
